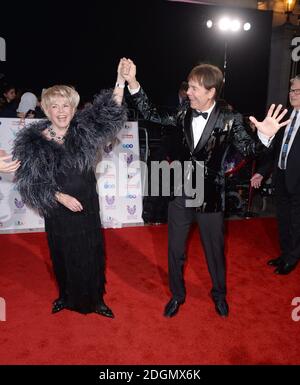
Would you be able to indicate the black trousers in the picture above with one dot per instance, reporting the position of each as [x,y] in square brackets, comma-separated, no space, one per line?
[211,227]
[288,215]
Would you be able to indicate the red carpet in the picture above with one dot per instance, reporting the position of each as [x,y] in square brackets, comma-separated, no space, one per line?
[259,329]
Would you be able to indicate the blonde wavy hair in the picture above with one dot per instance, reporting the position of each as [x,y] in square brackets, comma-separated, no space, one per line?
[50,94]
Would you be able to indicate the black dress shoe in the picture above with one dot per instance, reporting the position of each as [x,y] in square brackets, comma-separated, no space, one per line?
[104,310]
[172,307]
[58,305]
[285,268]
[222,307]
[275,262]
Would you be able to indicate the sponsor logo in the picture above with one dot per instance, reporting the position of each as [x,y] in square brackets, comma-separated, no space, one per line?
[109,185]
[127,145]
[110,200]
[19,223]
[129,158]
[131,209]
[19,203]
[133,185]
[131,196]
[127,136]
[109,221]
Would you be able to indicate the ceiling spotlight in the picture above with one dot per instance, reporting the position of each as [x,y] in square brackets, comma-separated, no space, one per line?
[209,23]
[224,24]
[235,25]
[247,26]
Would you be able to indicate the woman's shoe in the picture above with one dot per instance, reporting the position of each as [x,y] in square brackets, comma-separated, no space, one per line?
[58,305]
[104,310]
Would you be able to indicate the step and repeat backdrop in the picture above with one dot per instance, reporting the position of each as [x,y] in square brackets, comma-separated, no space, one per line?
[118,177]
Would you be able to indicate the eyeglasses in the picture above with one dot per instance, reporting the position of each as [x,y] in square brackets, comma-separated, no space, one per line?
[296,91]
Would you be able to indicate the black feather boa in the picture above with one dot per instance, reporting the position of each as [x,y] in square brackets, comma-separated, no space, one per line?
[41,160]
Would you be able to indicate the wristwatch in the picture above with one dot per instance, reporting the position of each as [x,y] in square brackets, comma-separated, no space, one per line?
[120,85]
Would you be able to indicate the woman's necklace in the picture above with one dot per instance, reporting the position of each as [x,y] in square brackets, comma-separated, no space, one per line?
[54,136]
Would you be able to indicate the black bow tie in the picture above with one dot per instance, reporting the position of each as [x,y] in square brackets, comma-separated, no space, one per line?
[199,113]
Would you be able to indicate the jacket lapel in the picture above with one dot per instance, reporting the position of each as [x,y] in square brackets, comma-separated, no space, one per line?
[209,127]
[188,130]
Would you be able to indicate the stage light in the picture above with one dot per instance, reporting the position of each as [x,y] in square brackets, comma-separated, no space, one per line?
[228,26]
[235,25]
[209,23]
[247,26]
[224,24]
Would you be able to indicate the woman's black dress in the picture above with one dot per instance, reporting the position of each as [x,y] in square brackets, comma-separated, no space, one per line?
[76,244]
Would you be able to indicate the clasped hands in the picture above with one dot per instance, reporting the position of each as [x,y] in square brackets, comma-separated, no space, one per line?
[127,71]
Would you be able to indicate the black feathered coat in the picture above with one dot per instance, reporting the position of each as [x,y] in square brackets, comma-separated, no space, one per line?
[43,160]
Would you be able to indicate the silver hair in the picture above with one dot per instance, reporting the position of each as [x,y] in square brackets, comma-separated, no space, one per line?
[297,77]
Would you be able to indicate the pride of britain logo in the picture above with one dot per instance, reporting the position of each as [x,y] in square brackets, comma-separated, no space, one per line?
[129,158]
[110,200]
[20,206]
[131,210]
[19,203]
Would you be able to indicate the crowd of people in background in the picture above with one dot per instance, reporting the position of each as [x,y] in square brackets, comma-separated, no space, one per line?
[15,103]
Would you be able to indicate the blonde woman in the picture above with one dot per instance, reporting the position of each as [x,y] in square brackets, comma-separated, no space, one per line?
[57,178]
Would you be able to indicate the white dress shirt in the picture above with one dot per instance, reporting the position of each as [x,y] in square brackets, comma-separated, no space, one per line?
[199,123]
[294,132]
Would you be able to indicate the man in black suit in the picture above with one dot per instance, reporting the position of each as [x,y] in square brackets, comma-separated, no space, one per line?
[206,129]
[283,158]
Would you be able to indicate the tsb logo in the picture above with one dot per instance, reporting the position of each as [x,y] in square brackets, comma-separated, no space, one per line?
[296,312]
